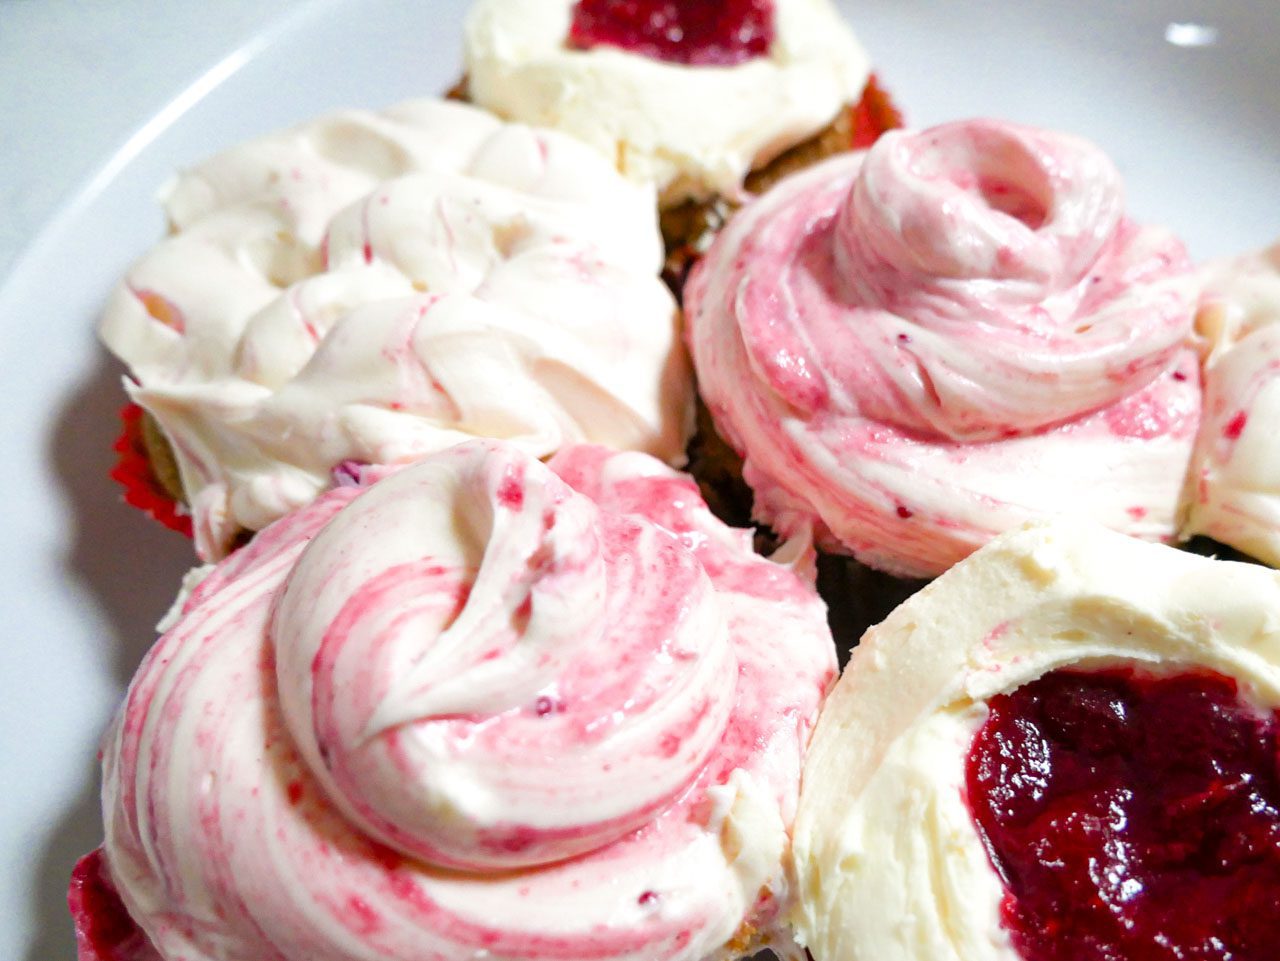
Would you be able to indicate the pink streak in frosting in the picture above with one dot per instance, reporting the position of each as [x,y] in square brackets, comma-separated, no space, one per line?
[968,296]
[1235,427]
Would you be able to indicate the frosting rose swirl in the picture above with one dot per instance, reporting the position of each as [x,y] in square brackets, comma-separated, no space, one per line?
[472,708]
[532,671]
[1235,493]
[915,345]
[378,286]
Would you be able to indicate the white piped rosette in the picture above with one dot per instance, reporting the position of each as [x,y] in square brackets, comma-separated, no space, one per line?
[484,706]
[377,286]
[922,345]
[1234,493]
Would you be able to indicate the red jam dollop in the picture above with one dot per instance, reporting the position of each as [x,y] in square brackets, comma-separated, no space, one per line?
[701,33]
[1132,817]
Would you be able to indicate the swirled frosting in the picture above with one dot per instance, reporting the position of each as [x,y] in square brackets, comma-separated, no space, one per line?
[693,130]
[922,345]
[1235,493]
[377,286]
[483,707]
[890,863]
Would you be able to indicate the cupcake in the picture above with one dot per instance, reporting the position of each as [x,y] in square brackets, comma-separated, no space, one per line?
[483,706]
[1233,494]
[372,287]
[1062,750]
[710,101]
[921,345]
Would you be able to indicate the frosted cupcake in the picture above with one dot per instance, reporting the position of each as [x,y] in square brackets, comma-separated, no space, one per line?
[710,101]
[1233,494]
[372,287]
[919,346]
[1062,750]
[485,706]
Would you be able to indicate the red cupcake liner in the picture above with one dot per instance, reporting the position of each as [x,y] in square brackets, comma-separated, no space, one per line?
[874,114]
[104,930]
[133,472]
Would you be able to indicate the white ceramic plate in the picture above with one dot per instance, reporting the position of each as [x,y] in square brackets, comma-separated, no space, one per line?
[1191,124]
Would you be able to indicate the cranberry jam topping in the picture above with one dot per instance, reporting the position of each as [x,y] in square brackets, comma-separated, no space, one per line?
[1132,817]
[701,33]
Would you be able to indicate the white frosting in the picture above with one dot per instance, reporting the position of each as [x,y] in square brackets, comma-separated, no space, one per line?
[693,130]
[890,864]
[485,707]
[377,286]
[1234,494]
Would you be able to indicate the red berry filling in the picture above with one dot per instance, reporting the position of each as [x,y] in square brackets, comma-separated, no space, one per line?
[700,33]
[1132,817]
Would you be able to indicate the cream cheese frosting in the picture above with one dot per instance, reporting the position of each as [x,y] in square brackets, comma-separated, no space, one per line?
[376,286]
[485,707]
[922,345]
[695,131]
[889,862]
[1234,493]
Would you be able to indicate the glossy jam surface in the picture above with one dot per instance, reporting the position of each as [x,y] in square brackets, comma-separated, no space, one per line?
[1132,818]
[713,33]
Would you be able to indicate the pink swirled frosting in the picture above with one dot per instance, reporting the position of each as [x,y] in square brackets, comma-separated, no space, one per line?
[919,346]
[484,707]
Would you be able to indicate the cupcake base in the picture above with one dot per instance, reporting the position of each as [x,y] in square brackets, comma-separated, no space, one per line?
[1207,547]
[148,472]
[688,228]
[718,470]
[857,596]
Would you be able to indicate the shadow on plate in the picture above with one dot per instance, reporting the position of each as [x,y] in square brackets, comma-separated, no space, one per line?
[132,568]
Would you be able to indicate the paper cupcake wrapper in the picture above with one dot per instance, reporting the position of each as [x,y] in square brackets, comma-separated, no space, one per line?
[104,930]
[133,472]
[873,115]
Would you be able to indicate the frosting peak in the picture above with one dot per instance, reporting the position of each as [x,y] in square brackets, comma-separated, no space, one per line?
[512,686]
[984,200]
[989,273]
